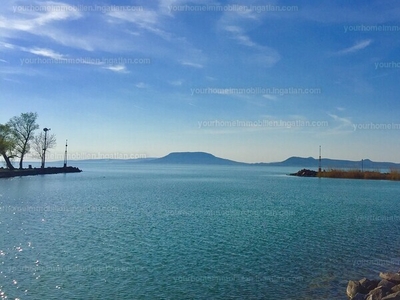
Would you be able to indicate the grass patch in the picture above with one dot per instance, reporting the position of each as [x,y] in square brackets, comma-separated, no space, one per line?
[357,174]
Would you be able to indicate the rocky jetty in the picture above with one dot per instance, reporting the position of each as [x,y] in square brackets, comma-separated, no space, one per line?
[37,171]
[385,288]
[305,173]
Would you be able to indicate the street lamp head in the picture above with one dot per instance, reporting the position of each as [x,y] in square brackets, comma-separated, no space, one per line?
[46,129]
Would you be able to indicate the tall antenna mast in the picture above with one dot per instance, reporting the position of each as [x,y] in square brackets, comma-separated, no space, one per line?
[319,160]
[65,154]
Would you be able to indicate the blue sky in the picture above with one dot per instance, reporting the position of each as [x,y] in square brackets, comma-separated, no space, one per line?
[250,81]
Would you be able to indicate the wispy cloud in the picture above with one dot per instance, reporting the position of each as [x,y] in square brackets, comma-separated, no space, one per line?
[30,21]
[342,125]
[237,34]
[356,47]
[7,46]
[270,97]
[149,22]
[143,18]
[234,23]
[141,85]
[176,82]
[46,53]
[192,64]
[117,68]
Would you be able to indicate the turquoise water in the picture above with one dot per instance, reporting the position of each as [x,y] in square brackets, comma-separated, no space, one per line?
[193,232]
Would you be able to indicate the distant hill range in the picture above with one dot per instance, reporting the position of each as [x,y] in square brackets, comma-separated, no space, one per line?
[204,158]
[327,163]
[195,158]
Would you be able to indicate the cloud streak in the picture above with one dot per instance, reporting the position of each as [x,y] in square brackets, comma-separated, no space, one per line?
[117,69]
[46,53]
[356,47]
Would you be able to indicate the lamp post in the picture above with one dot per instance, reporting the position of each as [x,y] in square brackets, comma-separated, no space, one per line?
[65,154]
[44,146]
[319,160]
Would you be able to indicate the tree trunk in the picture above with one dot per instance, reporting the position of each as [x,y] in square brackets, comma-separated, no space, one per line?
[8,162]
[23,152]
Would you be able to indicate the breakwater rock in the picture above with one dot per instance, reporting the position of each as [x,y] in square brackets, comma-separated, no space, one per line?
[37,171]
[385,288]
[305,173]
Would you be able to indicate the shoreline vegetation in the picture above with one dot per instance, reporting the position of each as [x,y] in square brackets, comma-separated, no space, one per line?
[6,173]
[349,174]
[18,138]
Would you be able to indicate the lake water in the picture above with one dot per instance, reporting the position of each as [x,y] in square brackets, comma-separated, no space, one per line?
[130,231]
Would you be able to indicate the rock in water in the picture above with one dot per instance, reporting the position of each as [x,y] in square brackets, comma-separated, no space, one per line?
[378,293]
[359,296]
[353,287]
[393,277]
[368,285]
[386,284]
[395,296]
[396,288]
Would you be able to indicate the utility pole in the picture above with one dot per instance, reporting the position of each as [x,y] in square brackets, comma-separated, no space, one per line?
[65,154]
[44,146]
[319,160]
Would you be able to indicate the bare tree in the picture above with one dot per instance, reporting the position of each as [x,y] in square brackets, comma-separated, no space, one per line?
[7,145]
[22,128]
[38,144]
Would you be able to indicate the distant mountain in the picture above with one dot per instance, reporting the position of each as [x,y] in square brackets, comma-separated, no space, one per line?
[196,158]
[204,158]
[327,163]
[112,160]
